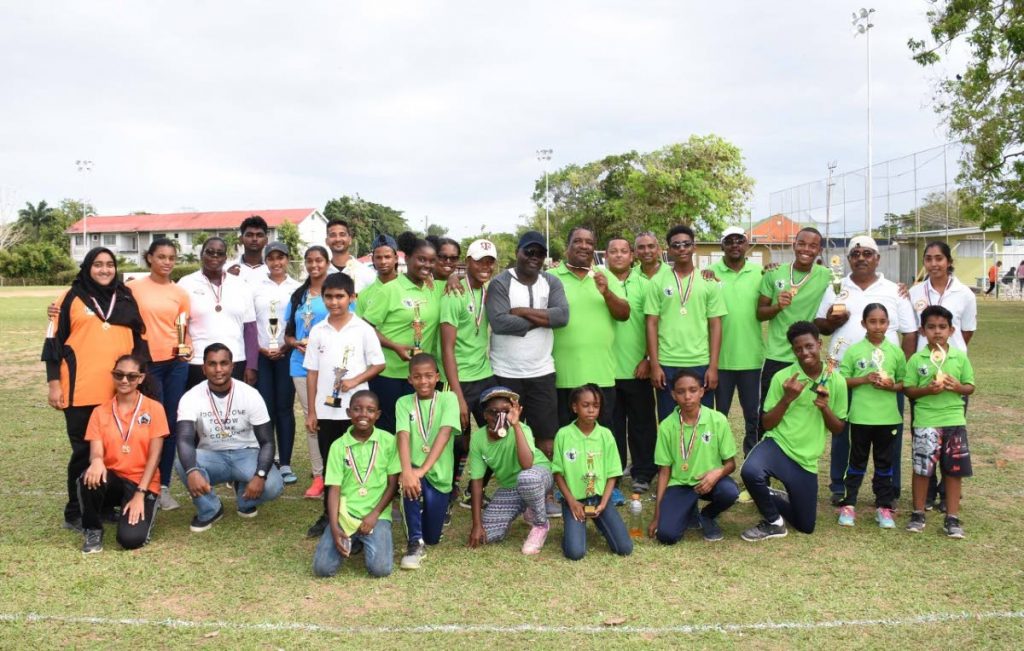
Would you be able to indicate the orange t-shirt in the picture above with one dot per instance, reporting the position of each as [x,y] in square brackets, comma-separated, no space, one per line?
[160,306]
[89,355]
[150,423]
[992,272]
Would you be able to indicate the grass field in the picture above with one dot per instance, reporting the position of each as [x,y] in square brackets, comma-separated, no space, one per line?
[247,583]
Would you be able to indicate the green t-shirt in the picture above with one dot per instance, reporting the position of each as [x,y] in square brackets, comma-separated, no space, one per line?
[683,339]
[631,335]
[576,454]
[582,349]
[713,446]
[365,297]
[472,340]
[385,463]
[944,409]
[439,287]
[802,433]
[391,312]
[446,413]
[803,308]
[871,406]
[500,456]
[742,343]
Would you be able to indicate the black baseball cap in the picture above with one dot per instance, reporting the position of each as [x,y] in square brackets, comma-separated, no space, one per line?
[529,238]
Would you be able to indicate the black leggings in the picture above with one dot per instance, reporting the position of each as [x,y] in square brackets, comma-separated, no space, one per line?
[878,442]
[77,420]
[327,432]
[117,491]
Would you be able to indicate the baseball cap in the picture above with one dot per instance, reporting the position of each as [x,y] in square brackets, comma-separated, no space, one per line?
[530,238]
[481,249]
[497,392]
[280,247]
[733,230]
[864,242]
[385,240]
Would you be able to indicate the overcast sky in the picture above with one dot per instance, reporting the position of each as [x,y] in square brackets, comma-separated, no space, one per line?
[434,108]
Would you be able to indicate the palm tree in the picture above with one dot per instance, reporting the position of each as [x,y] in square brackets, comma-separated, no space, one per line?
[36,216]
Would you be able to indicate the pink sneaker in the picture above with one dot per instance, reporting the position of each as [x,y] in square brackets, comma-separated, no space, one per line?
[316,489]
[535,539]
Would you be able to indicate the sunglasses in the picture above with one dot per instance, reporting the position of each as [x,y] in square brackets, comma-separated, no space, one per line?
[681,245]
[866,254]
[534,252]
[131,377]
[733,241]
[448,258]
[212,253]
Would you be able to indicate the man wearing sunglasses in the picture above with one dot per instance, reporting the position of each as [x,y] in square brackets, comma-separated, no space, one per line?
[864,285]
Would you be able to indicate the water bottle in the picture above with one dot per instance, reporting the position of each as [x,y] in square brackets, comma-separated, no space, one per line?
[636,517]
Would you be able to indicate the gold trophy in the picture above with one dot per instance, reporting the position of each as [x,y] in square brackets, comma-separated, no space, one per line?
[417,330]
[878,361]
[274,328]
[831,362]
[590,510]
[182,350]
[938,357]
[334,400]
[836,265]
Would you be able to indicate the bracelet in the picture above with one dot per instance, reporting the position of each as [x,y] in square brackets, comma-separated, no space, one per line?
[141,490]
[191,470]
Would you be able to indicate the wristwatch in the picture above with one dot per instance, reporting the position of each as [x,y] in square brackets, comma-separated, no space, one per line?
[262,474]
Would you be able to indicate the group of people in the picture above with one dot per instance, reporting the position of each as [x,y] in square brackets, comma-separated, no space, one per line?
[552,385]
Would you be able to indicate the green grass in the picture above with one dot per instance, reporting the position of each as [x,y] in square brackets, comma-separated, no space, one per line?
[254,572]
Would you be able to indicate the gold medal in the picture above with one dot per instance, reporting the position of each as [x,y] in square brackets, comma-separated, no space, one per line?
[105,326]
[793,291]
[686,467]
[125,449]
[682,311]
[363,492]
[426,449]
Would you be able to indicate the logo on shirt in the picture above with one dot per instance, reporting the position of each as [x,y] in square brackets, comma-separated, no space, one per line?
[920,305]
[144,419]
[922,370]
[706,436]
[668,291]
[409,303]
[88,311]
[470,308]
[862,364]
[780,284]
[571,455]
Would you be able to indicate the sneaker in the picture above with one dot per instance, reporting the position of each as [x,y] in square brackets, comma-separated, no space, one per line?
[916,524]
[695,522]
[199,526]
[883,516]
[467,500]
[712,532]
[448,515]
[93,541]
[745,497]
[942,505]
[641,486]
[288,476]
[952,527]
[318,527]
[248,513]
[316,489]
[837,499]
[535,539]
[846,516]
[414,553]
[763,531]
[618,499]
[73,525]
[166,501]
[553,509]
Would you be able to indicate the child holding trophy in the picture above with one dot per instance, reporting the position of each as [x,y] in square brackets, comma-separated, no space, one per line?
[425,421]
[874,368]
[342,355]
[586,465]
[937,379]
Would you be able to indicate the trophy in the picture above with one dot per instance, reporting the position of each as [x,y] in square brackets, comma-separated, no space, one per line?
[181,326]
[334,400]
[938,357]
[878,361]
[417,330]
[590,510]
[831,362]
[274,328]
[838,307]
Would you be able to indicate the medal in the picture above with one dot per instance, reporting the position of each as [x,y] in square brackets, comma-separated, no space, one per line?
[425,426]
[125,434]
[110,310]
[221,422]
[479,307]
[683,298]
[362,492]
[685,449]
[426,449]
[217,291]
[686,467]
[793,291]
[125,449]
[794,286]
[361,477]
[938,359]
[218,307]
[682,311]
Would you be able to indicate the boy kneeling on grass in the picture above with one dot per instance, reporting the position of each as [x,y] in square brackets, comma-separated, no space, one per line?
[938,378]
[361,479]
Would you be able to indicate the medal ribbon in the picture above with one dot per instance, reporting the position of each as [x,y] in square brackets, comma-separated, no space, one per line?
[361,477]
[797,285]
[425,431]
[679,287]
[131,423]
[110,310]
[479,307]
[217,291]
[217,419]
[928,291]
[684,448]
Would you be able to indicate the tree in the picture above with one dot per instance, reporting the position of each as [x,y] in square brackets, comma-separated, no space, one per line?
[504,242]
[69,212]
[199,239]
[437,230]
[288,233]
[37,260]
[11,235]
[983,105]
[231,242]
[35,217]
[366,219]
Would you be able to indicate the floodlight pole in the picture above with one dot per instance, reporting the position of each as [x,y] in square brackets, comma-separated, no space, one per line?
[84,166]
[544,156]
[862,25]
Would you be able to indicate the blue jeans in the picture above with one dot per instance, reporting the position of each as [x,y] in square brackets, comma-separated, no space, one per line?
[748,383]
[665,401]
[327,560]
[275,385]
[677,507]
[237,466]
[841,455]
[168,380]
[609,524]
[767,460]
[424,518]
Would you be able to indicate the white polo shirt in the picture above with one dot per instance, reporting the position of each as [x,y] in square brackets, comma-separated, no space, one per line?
[247,273]
[958,299]
[271,299]
[886,292]
[354,348]
[230,427]
[362,275]
[207,325]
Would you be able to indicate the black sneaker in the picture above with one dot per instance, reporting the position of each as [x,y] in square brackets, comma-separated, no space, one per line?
[712,532]
[73,525]
[414,555]
[93,541]
[952,527]
[467,500]
[942,505]
[763,531]
[198,525]
[318,527]
[448,514]
[641,486]
[837,499]
[917,522]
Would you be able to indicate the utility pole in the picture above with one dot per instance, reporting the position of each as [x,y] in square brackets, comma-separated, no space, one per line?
[829,183]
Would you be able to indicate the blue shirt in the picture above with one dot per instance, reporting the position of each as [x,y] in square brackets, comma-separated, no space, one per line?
[301,331]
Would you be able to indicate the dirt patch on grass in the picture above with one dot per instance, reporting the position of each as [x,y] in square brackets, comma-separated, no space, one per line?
[35,291]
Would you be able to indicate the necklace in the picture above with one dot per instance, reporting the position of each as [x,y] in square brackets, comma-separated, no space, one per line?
[942,294]
[794,286]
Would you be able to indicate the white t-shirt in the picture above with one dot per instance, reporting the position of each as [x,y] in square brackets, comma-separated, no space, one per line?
[362,275]
[206,324]
[957,298]
[247,273]
[224,428]
[354,348]
[886,292]
[270,301]
[530,355]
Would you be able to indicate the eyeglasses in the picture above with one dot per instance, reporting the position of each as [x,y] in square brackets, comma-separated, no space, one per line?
[213,253]
[681,245]
[131,377]
[534,252]
[448,258]
[865,254]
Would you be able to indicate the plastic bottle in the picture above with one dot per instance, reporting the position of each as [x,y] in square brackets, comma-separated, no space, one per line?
[636,515]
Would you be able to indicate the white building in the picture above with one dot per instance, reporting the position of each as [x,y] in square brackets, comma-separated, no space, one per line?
[130,235]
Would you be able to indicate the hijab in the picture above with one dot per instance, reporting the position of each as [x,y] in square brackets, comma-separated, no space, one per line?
[98,297]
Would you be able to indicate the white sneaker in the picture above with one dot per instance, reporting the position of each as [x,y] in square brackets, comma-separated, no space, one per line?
[166,501]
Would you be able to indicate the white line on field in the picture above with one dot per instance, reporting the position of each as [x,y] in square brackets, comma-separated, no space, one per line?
[928,618]
[224,495]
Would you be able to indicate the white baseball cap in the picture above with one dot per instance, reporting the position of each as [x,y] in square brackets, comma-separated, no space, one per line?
[864,242]
[481,249]
[733,230]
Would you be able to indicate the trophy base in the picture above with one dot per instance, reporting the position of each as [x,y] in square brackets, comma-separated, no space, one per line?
[333,402]
[822,392]
[838,309]
[181,350]
[273,348]
[590,510]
